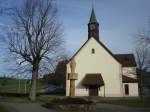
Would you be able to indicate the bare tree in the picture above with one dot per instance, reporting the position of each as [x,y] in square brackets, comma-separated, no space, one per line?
[142,56]
[143,36]
[36,39]
[143,47]
[143,60]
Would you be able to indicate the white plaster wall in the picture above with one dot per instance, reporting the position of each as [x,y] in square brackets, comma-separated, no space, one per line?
[130,72]
[133,89]
[100,62]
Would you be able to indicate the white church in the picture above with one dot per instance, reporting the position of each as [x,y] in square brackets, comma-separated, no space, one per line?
[99,72]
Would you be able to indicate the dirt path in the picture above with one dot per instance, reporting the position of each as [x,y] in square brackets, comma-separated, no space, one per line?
[37,107]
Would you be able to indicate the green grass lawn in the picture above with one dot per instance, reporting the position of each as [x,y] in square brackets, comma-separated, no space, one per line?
[129,103]
[42,98]
[9,85]
[15,99]
[12,85]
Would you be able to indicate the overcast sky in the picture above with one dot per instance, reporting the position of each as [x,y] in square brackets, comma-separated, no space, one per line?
[119,20]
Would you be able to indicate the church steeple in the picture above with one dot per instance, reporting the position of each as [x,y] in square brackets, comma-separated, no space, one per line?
[93,26]
[93,17]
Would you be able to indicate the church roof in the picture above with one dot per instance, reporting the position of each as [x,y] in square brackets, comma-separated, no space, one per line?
[126,79]
[127,60]
[93,17]
[93,80]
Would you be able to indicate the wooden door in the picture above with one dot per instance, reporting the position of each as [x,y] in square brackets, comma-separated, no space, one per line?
[93,91]
[126,89]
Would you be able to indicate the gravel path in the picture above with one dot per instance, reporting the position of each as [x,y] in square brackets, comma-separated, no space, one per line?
[37,107]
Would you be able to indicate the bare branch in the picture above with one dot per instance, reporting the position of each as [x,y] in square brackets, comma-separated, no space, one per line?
[37,36]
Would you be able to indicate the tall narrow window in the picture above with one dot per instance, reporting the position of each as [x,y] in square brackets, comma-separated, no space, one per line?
[126,89]
[93,51]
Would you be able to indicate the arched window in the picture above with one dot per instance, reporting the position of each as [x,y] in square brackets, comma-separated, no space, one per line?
[93,51]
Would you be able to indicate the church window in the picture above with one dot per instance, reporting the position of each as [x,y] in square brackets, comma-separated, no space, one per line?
[93,51]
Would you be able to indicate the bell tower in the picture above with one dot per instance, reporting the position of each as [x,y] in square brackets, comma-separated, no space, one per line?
[93,26]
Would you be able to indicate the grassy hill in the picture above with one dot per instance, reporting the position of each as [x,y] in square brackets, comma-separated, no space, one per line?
[17,86]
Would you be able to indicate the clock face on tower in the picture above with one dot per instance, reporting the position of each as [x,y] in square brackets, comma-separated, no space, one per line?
[92,27]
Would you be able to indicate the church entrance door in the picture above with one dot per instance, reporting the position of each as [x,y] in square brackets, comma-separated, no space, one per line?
[126,89]
[93,91]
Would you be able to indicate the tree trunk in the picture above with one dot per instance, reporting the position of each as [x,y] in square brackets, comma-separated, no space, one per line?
[141,86]
[140,79]
[33,84]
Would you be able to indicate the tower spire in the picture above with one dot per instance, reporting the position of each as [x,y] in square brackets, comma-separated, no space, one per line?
[93,26]
[93,17]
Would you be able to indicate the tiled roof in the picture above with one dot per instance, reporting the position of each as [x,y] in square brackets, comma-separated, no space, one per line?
[127,60]
[93,80]
[126,79]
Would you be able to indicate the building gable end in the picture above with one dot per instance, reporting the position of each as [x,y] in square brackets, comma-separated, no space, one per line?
[101,44]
